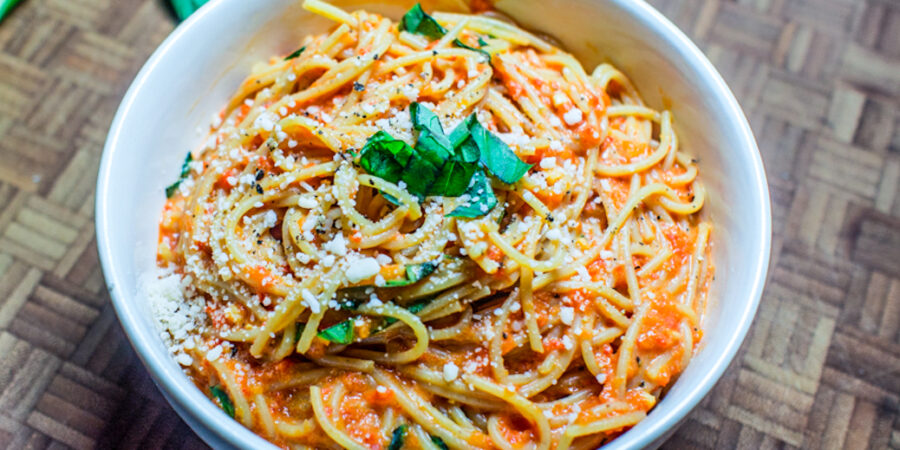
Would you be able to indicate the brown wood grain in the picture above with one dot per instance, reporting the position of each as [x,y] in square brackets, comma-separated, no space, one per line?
[819,80]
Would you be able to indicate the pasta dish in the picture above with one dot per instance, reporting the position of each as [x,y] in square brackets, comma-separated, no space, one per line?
[440,232]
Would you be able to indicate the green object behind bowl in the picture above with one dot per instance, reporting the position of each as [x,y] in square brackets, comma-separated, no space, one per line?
[6,6]
[184,8]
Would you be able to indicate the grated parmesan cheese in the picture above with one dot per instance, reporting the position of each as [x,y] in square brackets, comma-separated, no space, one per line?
[177,311]
[362,269]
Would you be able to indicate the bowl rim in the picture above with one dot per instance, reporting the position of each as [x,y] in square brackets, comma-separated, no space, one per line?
[187,399]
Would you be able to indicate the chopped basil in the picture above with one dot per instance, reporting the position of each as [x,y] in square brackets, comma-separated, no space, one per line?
[431,142]
[461,142]
[414,273]
[384,156]
[224,401]
[394,160]
[439,442]
[295,53]
[414,308]
[482,42]
[185,170]
[184,8]
[453,179]
[461,44]
[341,333]
[481,199]
[444,165]
[398,435]
[416,21]
[496,156]
[349,304]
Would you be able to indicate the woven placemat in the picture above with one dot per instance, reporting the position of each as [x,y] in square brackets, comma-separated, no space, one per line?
[819,79]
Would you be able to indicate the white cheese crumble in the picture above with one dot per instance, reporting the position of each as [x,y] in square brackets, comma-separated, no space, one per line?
[310,301]
[573,116]
[567,314]
[337,245]
[266,121]
[178,313]
[362,269]
[451,371]
[307,202]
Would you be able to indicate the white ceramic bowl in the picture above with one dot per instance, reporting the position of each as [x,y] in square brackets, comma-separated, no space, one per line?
[191,75]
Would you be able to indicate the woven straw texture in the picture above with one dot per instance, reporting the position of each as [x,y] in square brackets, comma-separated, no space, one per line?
[819,80]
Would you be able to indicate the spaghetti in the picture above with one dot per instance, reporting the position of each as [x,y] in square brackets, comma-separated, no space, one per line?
[435,233]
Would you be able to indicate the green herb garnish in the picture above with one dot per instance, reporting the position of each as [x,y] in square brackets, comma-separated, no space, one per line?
[185,170]
[341,333]
[416,21]
[461,44]
[6,6]
[439,442]
[295,53]
[184,8]
[414,273]
[481,198]
[397,438]
[496,156]
[224,401]
[415,308]
[444,165]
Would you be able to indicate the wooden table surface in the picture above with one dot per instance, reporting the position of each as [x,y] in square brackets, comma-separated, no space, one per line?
[819,80]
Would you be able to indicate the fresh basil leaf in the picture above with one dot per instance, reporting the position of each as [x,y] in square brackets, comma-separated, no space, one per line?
[341,333]
[416,21]
[461,44]
[384,156]
[460,134]
[419,175]
[224,401]
[430,148]
[295,53]
[482,42]
[184,8]
[481,198]
[424,119]
[461,140]
[496,156]
[414,273]
[394,160]
[437,441]
[185,171]
[432,144]
[349,303]
[397,436]
[415,308]
[454,179]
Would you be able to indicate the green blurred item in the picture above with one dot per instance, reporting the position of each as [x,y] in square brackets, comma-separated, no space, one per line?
[184,8]
[6,6]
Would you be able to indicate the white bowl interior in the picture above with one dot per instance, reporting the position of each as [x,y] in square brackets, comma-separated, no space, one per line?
[192,74]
